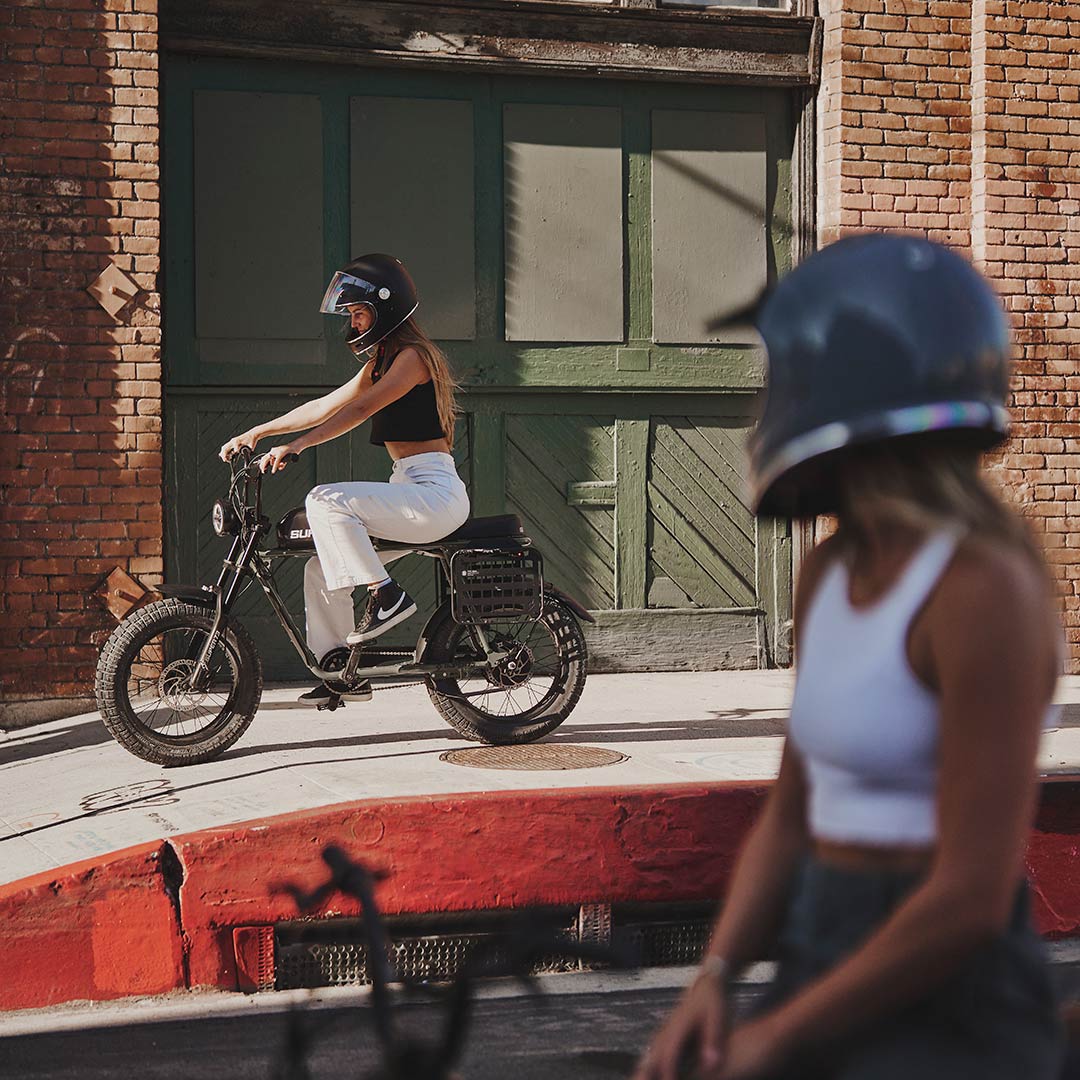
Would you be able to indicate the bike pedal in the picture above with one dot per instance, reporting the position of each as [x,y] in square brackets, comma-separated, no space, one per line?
[330,704]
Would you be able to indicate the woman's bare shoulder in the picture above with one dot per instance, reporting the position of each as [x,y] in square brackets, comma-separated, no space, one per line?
[997,594]
[986,573]
[412,362]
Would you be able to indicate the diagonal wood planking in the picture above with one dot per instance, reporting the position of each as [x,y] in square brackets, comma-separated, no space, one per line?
[543,455]
[702,534]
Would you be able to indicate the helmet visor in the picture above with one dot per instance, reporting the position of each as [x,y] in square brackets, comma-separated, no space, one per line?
[345,290]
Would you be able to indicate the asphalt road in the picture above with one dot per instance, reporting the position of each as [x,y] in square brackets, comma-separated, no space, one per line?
[582,1036]
[564,1036]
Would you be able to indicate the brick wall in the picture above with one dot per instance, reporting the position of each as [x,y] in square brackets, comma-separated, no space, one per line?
[896,115]
[952,118]
[1026,234]
[80,391]
[961,121]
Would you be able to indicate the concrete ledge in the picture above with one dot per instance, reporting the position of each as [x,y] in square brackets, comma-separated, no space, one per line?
[673,639]
[21,714]
[161,916]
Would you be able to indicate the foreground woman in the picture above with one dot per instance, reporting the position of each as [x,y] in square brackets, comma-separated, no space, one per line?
[886,871]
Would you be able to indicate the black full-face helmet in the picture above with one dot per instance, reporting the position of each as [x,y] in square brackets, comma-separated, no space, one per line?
[381,282]
[874,338]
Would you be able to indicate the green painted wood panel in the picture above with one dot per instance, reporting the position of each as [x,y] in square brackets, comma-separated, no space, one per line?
[491,360]
[258,235]
[563,198]
[709,218]
[413,195]
[544,455]
[631,512]
[621,447]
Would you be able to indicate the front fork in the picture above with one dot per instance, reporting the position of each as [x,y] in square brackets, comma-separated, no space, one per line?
[223,598]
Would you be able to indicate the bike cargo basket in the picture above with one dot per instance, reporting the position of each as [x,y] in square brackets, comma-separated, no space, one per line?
[491,583]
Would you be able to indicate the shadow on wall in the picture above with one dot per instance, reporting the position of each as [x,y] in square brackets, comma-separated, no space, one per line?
[80,456]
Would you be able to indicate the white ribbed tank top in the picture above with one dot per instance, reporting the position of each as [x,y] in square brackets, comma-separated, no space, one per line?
[863,724]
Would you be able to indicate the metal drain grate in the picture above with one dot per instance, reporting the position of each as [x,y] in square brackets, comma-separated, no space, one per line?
[332,952]
[538,756]
[436,958]
[665,944]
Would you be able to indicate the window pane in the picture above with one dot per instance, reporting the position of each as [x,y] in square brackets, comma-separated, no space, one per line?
[563,222]
[709,219]
[782,5]
[258,220]
[412,197]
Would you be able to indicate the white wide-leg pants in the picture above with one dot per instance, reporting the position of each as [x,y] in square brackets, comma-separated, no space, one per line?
[424,501]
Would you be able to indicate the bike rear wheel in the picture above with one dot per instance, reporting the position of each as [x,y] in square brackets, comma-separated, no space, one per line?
[143,689]
[525,696]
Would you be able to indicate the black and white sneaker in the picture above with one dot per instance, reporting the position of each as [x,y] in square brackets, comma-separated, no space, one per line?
[386,607]
[321,693]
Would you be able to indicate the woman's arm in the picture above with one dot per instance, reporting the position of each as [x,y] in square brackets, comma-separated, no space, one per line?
[990,632]
[761,880]
[407,371]
[758,893]
[303,416]
[756,899]
[760,883]
[313,413]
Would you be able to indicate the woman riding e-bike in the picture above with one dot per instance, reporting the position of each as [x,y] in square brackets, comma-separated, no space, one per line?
[407,390]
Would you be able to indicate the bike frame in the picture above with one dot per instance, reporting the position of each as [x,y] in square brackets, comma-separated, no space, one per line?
[244,559]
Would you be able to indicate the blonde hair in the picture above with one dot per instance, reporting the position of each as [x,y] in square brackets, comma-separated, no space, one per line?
[926,486]
[409,335]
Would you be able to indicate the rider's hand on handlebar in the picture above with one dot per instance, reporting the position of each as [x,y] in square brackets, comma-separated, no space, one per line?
[277,457]
[246,439]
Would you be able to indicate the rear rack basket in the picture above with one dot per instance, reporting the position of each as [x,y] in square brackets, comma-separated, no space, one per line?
[493,583]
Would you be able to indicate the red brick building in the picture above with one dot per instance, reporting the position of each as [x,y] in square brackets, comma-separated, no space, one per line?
[958,120]
[961,121]
[80,457]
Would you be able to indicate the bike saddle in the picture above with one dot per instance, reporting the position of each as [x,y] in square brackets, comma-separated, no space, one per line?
[484,528]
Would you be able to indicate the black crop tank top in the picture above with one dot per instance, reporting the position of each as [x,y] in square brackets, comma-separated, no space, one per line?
[414,417]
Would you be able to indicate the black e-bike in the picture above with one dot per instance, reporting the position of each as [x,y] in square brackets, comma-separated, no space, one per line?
[503,655]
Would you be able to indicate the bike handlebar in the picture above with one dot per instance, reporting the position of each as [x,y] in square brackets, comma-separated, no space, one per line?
[251,466]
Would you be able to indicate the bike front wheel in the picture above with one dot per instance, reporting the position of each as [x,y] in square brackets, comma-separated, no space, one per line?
[145,694]
[526,695]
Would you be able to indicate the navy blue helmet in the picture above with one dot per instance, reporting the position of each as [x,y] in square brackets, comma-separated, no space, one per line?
[875,337]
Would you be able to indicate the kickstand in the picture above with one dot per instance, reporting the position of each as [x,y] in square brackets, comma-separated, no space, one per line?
[331,703]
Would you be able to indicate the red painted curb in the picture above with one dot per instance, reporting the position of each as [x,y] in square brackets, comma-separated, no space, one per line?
[1053,859]
[98,929]
[466,852]
[107,928]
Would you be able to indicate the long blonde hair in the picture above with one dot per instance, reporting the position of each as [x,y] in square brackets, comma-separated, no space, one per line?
[409,335]
[926,486]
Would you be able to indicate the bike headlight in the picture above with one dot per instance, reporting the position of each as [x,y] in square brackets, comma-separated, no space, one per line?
[224,519]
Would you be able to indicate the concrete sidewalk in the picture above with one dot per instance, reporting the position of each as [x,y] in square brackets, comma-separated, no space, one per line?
[68,792]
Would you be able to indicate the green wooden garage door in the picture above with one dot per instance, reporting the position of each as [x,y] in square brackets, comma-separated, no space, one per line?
[570,240]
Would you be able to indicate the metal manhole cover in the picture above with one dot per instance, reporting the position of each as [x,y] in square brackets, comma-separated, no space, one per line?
[538,756]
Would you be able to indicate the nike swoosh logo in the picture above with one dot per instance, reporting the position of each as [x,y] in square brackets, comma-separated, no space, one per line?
[384,614]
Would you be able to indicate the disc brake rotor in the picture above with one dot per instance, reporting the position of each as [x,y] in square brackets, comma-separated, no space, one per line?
[174,686]
[516,669]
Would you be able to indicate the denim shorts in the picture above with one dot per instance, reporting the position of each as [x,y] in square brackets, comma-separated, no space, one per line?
[994,1018]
